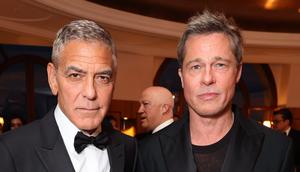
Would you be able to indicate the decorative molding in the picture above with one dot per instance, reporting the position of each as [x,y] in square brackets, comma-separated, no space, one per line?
[115,17]
[22,28]
[132,21]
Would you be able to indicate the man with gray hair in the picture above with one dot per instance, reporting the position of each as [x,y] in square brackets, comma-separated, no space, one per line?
[72,137]
[214,136]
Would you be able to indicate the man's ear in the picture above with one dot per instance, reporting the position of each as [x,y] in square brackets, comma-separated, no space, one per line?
[165,108]
[180,75]
[239,72]
[51,71]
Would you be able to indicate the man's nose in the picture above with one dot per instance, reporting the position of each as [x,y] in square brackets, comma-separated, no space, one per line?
[140,110]
[88,89]
[208,77]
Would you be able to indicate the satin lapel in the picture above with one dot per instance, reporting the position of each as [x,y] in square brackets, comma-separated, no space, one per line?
[116,155]
[52,151]
[243,149]
[177,150]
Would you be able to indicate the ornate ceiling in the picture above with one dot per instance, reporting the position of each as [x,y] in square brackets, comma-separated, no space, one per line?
[258,15]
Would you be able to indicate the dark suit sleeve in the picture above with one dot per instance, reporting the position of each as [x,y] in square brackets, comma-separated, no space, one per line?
[6,160]
[288,162]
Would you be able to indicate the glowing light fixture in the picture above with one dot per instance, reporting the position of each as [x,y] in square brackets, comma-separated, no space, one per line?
[270,4]
[125,118]
[1,121]
[267,124]
[130,131]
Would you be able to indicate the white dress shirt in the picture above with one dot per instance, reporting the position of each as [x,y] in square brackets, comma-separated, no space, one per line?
[91,158]
[287,131]
[163,125]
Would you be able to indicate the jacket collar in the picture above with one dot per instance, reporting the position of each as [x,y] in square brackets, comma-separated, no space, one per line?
[177,148]
[52,150]
[245,145]
[116,150]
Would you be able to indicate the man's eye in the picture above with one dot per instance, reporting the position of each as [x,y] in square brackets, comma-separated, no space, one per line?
[220,66]
[196,67]
[74,75]
[103,79]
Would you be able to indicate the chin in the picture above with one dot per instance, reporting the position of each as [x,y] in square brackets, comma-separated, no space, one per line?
[88,124]
[210,110]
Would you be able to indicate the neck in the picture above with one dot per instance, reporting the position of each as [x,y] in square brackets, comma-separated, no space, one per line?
[209,130]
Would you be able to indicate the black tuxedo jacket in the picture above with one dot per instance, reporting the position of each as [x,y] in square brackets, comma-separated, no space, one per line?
[295,136]
[39,147]
[254,148]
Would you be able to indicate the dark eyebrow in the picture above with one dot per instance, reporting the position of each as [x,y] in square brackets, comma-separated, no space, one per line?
[74,68]
[105,72]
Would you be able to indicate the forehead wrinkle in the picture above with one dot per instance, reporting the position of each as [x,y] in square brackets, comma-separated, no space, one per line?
[87,59]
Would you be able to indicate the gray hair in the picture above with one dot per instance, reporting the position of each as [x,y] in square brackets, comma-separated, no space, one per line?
[208,23]
[81,30]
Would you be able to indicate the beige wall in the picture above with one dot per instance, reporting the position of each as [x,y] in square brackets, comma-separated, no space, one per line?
[135,73]
[287,83]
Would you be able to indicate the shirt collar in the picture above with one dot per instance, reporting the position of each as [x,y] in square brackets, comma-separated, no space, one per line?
[287,131]
[67,129]
[163,125]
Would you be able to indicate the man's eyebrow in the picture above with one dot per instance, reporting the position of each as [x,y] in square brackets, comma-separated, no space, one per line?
[217,58]
[192,61]
[105,72]
[221,58]
[74,68]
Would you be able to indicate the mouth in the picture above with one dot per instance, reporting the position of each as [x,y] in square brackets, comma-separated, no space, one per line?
[208,96]
[87,109]
[143,118]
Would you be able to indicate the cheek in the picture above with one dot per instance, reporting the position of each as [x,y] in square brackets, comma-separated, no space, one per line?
[227,82]
[190,83]
[105,93]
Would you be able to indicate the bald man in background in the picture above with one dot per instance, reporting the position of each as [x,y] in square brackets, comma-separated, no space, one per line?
[156,108]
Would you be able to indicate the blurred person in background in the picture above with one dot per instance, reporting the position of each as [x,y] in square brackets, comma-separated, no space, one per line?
[16,121]
[156,109]
[282,122]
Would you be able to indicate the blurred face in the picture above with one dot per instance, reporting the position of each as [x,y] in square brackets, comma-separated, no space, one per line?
[150,112]
[83,81]
[209,74]
[15,123]
[279,123]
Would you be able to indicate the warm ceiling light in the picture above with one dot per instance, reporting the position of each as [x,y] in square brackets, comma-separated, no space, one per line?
[267,124]
[298,10]
[270,4]
[130,131]
[1,121]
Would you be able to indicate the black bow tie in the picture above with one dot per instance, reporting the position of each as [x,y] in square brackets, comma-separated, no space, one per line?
[82,141]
